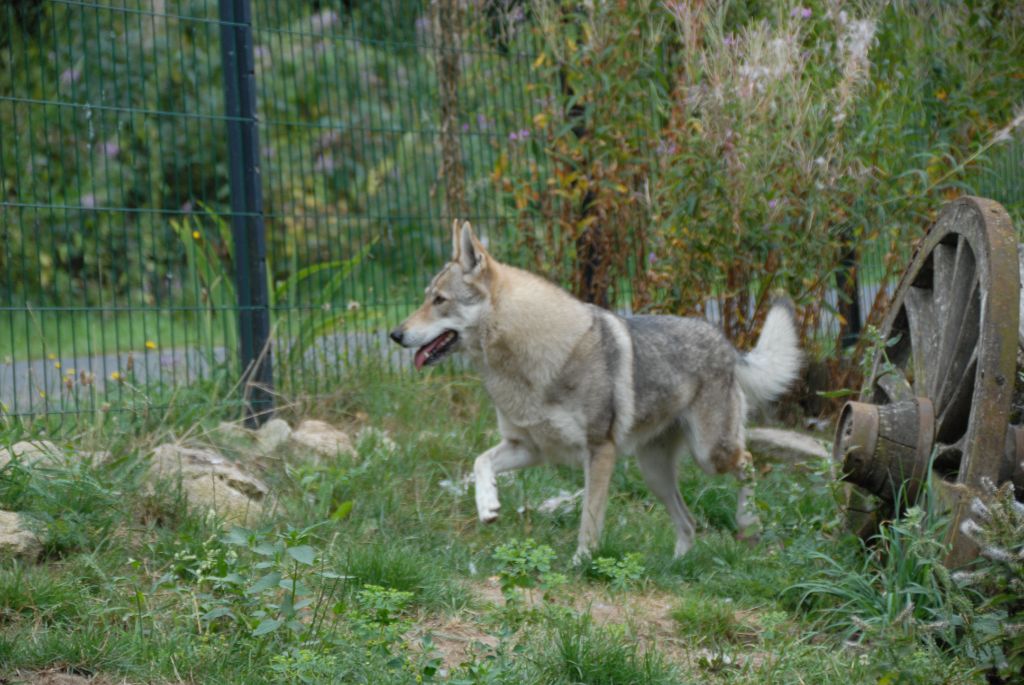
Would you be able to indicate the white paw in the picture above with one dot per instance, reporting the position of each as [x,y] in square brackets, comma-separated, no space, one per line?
[682,547]
[489,513]
[487,504]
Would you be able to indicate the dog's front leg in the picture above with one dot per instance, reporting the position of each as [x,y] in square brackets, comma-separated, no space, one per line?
[505,456]
[748,523]
[597,476]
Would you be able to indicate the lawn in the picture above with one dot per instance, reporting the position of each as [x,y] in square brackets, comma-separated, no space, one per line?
[374,569]
[80,332]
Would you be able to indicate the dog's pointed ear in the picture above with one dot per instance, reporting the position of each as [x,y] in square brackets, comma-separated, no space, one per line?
[472,255]
[456,240]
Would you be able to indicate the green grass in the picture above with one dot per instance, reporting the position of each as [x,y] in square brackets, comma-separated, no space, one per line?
[367,568]
[43,333]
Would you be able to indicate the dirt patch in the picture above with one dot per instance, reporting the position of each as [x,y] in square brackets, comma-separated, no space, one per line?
[455,640]
[647,618]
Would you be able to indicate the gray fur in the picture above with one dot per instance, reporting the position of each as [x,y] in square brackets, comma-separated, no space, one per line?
[673,358]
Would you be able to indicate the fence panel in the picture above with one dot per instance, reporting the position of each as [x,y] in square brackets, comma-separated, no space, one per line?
[118,287]
[112,185]
[123,210]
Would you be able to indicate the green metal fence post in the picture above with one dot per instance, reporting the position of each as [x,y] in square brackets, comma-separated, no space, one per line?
[247,229]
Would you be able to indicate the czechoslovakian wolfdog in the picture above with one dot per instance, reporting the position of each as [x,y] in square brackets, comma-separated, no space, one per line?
[576,384]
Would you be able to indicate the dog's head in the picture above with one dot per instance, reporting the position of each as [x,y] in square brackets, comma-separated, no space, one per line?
[457,300]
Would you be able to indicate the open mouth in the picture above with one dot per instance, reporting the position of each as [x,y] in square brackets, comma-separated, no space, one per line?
[436,350]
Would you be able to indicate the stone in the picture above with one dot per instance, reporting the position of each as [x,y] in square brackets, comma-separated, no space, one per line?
[32,453]
[18,539]
[785,445]
[212,482]
[264,441]
[323,438]
[273,434]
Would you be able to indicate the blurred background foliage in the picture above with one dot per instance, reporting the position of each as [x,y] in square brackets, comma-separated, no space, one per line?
[685,157]
[705,154]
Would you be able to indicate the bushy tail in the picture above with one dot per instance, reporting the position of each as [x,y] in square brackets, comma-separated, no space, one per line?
[769,369]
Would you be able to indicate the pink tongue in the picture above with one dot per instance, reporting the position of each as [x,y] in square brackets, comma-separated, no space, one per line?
[424,352]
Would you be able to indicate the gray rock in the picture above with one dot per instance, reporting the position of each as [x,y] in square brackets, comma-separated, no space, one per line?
[210,481]
[784,445]
[273,434]
[264,441]
[45,454]
[32,453]
[18,539]
[323,438]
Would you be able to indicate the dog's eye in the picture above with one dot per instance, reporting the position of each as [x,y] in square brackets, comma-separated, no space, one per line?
[440,299]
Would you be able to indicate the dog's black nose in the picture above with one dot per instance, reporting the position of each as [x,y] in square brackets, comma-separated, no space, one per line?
[397,334]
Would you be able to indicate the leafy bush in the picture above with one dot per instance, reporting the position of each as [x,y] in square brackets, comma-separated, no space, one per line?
[526,565]
[704,154]
[620,573]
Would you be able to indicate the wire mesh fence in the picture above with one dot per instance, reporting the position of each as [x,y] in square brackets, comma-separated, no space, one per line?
[128,207]
[117,206]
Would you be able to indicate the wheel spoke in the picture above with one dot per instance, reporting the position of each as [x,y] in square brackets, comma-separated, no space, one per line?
[943,260]
[895,386]
[957,295]
[959,347]
[948,458]
[923,335]
[951,420]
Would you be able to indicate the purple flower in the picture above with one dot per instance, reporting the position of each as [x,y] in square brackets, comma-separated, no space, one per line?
[111,149]
[802,12]
[465,127]
[88,200]
[513,136]
[651,258]
[69,76]
[729,41]
[771,204]
[261,54]
[523,134]
[481,122]
[321,22]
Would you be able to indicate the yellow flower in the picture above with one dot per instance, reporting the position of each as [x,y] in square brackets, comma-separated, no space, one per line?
[51,356]
[941,95]
[56,365]
[150,345]
[42,393]
[116,376]
[195,235]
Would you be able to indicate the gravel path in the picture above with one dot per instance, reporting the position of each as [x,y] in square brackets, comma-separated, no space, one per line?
[41,386]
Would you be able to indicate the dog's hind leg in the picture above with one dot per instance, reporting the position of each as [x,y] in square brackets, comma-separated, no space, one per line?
[507,455]
[657,461]
[719,446]
[597,477]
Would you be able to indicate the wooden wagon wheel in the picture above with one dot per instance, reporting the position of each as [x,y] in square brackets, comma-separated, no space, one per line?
[944,387]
